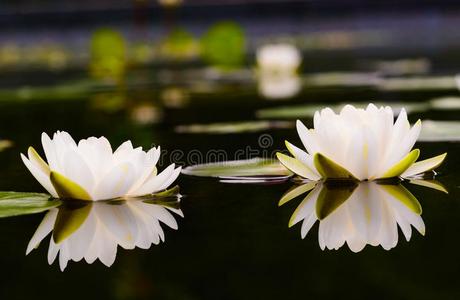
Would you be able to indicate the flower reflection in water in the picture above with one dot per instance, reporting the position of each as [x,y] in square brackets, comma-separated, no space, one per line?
[356,213]
[94,230]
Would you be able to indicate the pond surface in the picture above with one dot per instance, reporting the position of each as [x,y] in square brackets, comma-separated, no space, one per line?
[233,241]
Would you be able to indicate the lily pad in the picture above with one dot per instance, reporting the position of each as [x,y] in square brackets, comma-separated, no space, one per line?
[16,204]
[239,168]
[233,127]
[440,131]
[308,110]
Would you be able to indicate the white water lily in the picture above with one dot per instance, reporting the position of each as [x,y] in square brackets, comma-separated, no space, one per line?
[279,87]
[90,170]
[96,229]
[359,144]
[366,214]
[278,59]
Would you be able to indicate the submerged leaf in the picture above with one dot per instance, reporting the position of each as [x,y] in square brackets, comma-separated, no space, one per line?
[332,195]
[70,217]
[249,167]
[16,204]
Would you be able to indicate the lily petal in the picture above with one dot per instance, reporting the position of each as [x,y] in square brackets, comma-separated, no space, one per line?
[296,166]
[297,191]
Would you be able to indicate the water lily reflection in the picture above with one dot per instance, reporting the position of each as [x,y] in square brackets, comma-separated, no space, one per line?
[358,213]
[94,230]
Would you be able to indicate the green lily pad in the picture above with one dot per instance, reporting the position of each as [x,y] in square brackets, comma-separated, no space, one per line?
[308,110]
[440,131]
[16,204]
[236,168]
[233,127]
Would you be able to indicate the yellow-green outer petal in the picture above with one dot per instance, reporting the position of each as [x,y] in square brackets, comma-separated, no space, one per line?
[425,165]
[406,197]
[68,220]
[294,165]
[66,188]
[432,184]
[401,166]
[43,165]
[331,197]
[330,169]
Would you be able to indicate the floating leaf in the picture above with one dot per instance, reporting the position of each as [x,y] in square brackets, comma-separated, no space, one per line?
[440,131]
[233,127]
[237,168]
[16,204]
[447,103]
[308,110]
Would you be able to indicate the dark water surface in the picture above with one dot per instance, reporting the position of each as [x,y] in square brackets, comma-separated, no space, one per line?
[234,241]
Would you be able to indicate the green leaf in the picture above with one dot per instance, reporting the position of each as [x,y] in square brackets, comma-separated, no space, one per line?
[233,127]
[402,194]
[330,169]
[66,188]
[401,166]
[16,204]
[332,195]
[439,131]
[249,167]
[70,217]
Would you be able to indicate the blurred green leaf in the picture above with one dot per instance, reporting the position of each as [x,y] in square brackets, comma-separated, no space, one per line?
[249,167]
[224,45]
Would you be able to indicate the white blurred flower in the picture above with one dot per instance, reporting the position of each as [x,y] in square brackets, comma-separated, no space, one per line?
[90,170]
[94,230]
[369,213]
[278,59]
[359,144]
[279,87]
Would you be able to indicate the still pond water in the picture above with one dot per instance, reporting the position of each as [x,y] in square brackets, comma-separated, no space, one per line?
[233,241]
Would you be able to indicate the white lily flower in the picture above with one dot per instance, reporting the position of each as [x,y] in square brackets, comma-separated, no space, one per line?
[359,144]
[90,170]
[368,213]
[279,87]
[94,230]
[278,59]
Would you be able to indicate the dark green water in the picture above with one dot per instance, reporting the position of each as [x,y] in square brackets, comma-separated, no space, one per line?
[234,241]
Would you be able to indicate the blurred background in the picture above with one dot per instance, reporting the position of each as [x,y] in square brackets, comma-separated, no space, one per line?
[198,75]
